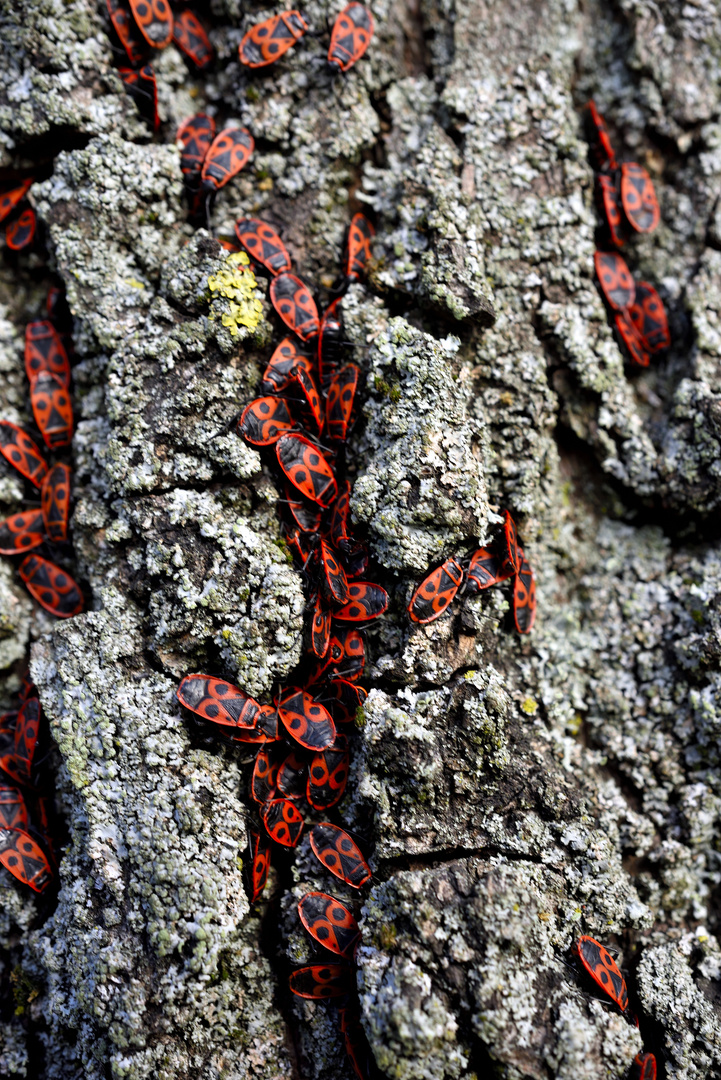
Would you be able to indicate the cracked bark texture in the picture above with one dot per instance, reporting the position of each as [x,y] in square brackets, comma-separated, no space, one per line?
[514,793]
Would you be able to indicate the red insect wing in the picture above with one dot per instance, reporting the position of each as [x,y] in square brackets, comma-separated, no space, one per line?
[25,860]
[643,1068]
[9,199]
[295,305]
[301,546]
[350,37]
[352,642]
[52,409]
[155,21]
[55,502]
[639,198]
[334,581]
[260,863]
[306,468]
[306,721]
[283,821]
[615,280]
[229,152]
[524,596]
[366,601]
[510,541]
[191,38]
[27,729]
[486,569]
[44,351]
[291,776]
[280,370]
[339,518]
[20,450]
[263,244]
[329,922]
[609,202]
[631,338]
[20,233]
[339,854]
[218,701]
[339,402]
[143,90]
[603,969]
[436,592]
[330,341]
[13,812]
[344,698]
[358,247]
[126,28]
[320,982]
[306,382]
[52,587]
[320,630]
[21,532]
[648,316]
[195,137]
[265,420]
[306,515]
[600,139]
[328,775]
[265,777]
[265,732]
[267,41]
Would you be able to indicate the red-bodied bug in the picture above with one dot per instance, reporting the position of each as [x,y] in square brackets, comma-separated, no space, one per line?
[307,721]
[191,38]
[229,152]
[366,601]
[52,409]
[608,197]
[643,1068]
[218,701]
[20,233]
[648,315]
[436,592]
[44,351]
[143,90]
[195,137]
[486,569]
[638,197]
[320,628]
[25,859]
[127,30]
[333,580]
[339,518]
[300,545]
[355,561]
[55,502]
[603,969]
[155,21]
[600,139]
[615,280]
[259,863]
[351,643]
[9,199]
[20,450]
[283,821]
[266,730]
[306,468]
[18,763]
[356,1048]
[320,982]
[265,420]
[264,781]
[291,776]
[342,388]
[510,538]
[329,922]
[350,36]
[339,854]
[295,305]
[358,247]
[328,775]
[280,371]
[343,698]
[305,380]
[631,339]
[306,515]
[524,596]
[21,532]
[263,244]
[330,341]
[267,41]
[13,812]
[52,587]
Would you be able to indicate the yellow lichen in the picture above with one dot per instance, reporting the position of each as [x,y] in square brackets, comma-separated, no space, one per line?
[236,283]
[529,706]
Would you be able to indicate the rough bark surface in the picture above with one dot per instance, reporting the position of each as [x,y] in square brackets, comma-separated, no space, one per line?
[514,792]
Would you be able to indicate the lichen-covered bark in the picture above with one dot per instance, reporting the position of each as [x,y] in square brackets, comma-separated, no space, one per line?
[514,792]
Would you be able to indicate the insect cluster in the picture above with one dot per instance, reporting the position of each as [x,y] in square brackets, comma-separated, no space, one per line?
[267,41]
[485,567]
[627,203]
[25,845]
[597,962]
